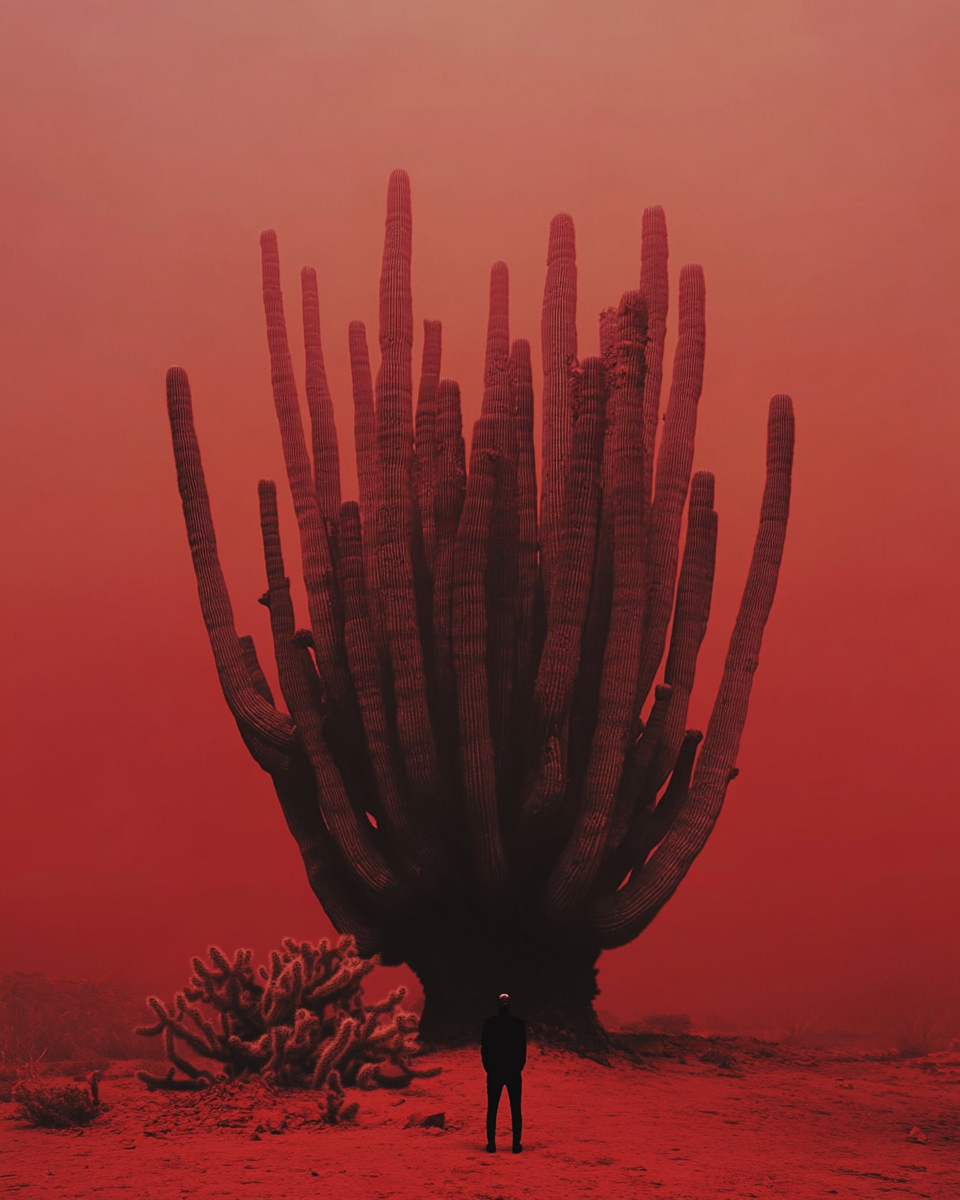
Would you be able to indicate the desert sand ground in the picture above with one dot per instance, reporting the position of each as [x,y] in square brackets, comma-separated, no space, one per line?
[749,1119]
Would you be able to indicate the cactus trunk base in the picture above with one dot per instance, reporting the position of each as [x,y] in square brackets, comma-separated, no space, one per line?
[552,984]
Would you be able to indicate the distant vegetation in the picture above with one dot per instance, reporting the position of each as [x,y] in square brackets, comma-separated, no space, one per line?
[57,1020]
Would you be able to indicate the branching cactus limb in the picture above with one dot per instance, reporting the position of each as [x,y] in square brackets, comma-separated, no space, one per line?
[622,916]
[471,766]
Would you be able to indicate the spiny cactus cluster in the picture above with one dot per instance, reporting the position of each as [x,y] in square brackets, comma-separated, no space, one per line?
[301,1022]
[484,769]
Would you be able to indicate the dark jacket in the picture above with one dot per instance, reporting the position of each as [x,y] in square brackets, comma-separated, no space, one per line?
[503,1045]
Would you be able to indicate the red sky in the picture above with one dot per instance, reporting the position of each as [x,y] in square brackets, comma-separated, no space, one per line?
[805,153]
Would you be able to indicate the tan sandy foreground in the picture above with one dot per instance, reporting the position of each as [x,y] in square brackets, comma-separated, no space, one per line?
[754,1119]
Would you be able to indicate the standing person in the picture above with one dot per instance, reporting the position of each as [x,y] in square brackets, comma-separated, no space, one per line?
[503,1051]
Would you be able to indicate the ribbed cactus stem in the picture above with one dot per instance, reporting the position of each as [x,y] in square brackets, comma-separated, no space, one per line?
[499,413]
[417,855]
[448,505]
[674,464]
[368,470]
[395,579]
[568,603]
[353,837]
[576,870]
[528,580]
[470,661]
[691,614]
[655,288]
[296,787]
[426,437]
[314,550]
[326,451]
[558,336]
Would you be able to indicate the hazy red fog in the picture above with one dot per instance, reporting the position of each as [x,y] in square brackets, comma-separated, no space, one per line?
[805,153]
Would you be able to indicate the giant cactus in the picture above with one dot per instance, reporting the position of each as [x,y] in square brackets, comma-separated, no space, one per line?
[470,760]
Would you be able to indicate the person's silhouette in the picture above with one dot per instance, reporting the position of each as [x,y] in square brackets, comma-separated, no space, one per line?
[503,1051]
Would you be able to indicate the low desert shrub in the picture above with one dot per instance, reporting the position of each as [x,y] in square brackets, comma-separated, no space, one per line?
[57,1107]
[918,1034]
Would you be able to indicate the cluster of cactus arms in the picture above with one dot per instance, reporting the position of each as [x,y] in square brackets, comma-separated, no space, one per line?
[471,762]
[299,1023]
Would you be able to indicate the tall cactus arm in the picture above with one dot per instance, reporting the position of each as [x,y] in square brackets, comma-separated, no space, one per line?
[448,505]
[674,464]
[621,916]
[498,409]
[426,437]
[323,426]
[691,614]
[368,472]
[470,661]
[655,288]
[417,853]
[274,730]
[569,600]
[558,336]
[318,574]
[395,572]
[521,380]
[353,836]
[574,874]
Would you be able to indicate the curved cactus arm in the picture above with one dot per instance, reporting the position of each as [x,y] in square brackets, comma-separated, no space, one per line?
[470,662]
[323,426]
[674,463]
[653,819]
[274,731]
[353,836]
[395,523]
[691,614]
[558,336]
[636,770]
[621,916]
[318,574]
[573,876]
[254,670]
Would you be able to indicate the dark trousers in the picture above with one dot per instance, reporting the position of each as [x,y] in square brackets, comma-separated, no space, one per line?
[495,1086]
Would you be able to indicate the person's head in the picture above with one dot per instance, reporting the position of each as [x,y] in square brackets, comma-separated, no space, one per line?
[504,1002]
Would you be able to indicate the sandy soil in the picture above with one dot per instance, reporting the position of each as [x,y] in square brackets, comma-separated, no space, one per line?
[751,1120]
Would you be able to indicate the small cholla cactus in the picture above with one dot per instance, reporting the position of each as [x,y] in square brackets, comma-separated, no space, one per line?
[301,1022]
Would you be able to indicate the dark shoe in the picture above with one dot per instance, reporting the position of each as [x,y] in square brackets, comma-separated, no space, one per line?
[491,1148]
[517,1148]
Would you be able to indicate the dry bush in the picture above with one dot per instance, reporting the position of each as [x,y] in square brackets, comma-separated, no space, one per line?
[918,1034]
[798,1031]
[57,1107]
